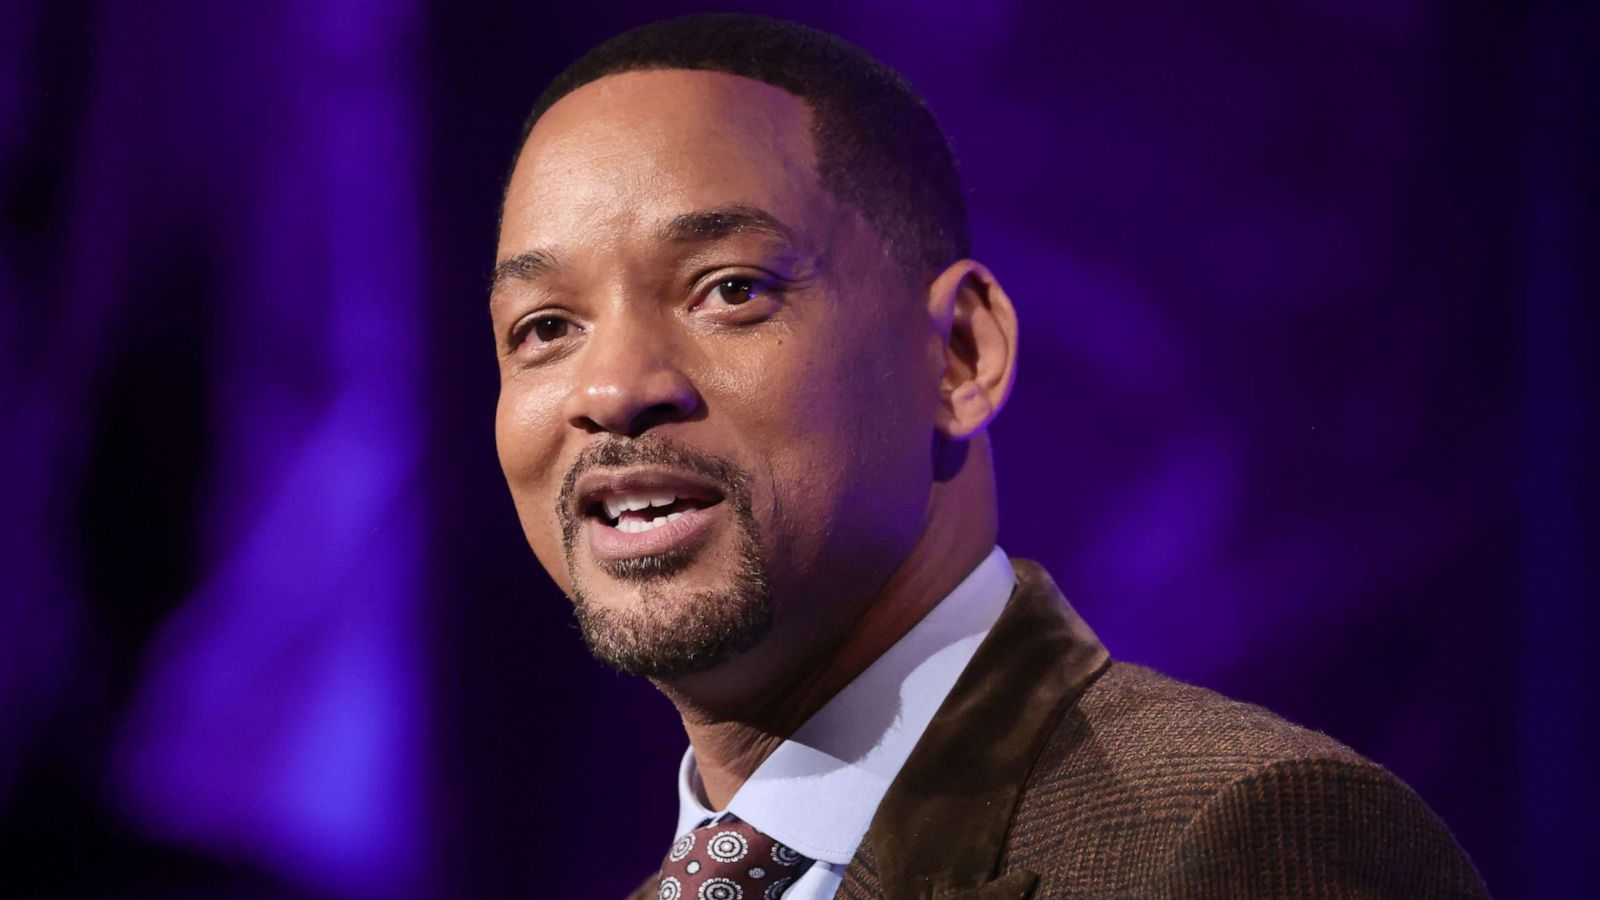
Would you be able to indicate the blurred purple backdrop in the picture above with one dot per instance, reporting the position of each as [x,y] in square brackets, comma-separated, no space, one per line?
[1300,417]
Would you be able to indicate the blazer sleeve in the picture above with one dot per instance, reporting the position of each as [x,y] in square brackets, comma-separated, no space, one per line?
[1318,828]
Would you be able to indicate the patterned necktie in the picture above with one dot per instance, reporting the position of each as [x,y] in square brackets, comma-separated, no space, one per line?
[729,860]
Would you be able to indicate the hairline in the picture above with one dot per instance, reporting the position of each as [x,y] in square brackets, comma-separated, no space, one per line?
[913,271]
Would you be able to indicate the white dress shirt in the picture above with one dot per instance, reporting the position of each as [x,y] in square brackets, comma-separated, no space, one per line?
[818,791]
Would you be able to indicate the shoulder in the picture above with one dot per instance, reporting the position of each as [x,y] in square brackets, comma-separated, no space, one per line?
[1142,754]
[1145,719]
[1156,786]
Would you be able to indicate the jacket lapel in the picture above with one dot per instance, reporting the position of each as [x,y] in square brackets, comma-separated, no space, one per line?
[942,825]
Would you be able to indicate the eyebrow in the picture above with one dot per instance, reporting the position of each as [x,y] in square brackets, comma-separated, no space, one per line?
[698,227]
[522,267]
[704,226]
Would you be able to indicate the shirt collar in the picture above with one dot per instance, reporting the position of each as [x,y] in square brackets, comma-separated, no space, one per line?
[818,791]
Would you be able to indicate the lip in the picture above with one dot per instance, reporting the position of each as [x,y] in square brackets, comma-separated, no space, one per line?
[596,485]
[690,529]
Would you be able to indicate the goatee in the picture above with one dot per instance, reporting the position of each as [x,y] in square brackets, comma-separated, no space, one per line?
[662,634]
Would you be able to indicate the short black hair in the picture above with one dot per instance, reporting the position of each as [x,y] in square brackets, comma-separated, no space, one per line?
[877,143]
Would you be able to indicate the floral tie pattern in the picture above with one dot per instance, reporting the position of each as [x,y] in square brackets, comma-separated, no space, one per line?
[729,860]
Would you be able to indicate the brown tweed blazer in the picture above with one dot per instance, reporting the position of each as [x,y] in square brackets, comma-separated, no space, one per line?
[1051,771]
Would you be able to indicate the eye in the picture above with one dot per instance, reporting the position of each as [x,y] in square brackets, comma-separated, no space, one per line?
[739,291]
[549,328]
[541,329]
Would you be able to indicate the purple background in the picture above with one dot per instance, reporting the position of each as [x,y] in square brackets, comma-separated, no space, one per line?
[1306,290]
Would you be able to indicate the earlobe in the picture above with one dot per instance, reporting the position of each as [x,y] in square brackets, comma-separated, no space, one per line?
[968,403]
[979,329]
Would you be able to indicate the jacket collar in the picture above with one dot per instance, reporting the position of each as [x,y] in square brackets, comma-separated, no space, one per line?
[819,789]
[941,827]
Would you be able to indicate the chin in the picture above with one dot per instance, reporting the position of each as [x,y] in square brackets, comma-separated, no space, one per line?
[664,557]
[673,614]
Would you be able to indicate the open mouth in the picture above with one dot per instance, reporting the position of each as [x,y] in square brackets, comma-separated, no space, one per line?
[647,511]
[636,512]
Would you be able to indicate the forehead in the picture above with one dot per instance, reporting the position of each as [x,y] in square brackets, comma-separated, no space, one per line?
[634,148]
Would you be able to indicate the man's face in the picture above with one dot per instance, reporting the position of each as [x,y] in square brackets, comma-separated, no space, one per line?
[717,391]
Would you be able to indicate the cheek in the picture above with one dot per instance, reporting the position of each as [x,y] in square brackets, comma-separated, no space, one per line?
[847,443]
[527,438]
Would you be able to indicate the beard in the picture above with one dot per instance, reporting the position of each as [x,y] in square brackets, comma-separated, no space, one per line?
[667,634]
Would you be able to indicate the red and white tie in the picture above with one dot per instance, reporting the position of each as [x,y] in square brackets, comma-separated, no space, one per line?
[729,860]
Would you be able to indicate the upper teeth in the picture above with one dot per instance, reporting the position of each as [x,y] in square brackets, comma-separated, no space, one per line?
[616,506]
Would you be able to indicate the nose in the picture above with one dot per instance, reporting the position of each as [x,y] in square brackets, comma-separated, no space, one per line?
[629,382]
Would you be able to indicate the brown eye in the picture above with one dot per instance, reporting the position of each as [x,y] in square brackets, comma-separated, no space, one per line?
[549,328]
[736,291]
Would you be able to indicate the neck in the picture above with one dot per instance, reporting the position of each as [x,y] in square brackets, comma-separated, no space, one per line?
[731,741]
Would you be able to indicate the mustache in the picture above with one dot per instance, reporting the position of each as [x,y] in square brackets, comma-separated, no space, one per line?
[614,452]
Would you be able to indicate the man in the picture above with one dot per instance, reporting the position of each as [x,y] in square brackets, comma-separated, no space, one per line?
[746,370]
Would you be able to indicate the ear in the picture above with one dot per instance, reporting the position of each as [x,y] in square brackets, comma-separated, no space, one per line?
[978,325]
